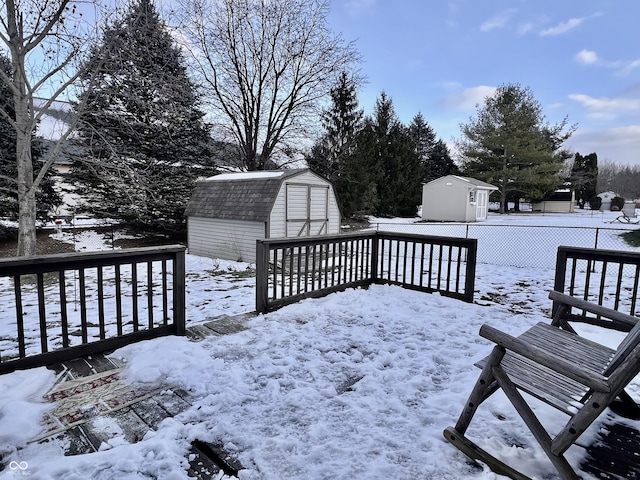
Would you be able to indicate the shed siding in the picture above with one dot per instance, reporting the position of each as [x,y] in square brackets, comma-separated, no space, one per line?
[323,202]
[442,202]
[455,199]
[222,238]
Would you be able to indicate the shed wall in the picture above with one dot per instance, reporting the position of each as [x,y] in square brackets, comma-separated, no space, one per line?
[291,208]
[448,203]
[227,239]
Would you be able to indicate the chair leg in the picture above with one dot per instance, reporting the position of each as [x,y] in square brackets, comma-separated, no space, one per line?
[537,429]
[485,386]
[474,452]
[625,406]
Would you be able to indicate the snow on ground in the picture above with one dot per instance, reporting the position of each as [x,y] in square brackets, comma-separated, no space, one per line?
[359,384]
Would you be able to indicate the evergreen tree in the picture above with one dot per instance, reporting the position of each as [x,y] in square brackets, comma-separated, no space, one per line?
[47,198]
[386,150]
[510,146]
[341,122]
[140,123]
[434,154]
[584,177]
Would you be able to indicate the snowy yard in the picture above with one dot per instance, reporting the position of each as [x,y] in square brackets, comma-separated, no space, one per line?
[358,385]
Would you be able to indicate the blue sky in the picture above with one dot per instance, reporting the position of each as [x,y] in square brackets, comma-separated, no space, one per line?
[580,58]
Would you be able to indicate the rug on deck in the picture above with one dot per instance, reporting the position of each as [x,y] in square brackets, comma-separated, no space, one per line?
[79,400]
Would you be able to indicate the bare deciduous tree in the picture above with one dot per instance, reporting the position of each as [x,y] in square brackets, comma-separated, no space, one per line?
[266,66]
[43,39]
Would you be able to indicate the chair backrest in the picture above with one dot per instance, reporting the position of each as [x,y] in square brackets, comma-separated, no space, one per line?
[628,344]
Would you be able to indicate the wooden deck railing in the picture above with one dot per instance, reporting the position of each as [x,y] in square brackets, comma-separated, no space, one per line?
[605,277]
[58,307]
[288,270]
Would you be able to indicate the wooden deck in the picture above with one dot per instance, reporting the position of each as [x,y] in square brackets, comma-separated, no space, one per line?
[89,390]
[615,455]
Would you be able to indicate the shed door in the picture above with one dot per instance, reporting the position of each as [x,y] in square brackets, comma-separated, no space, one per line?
[481,204]
[307,210]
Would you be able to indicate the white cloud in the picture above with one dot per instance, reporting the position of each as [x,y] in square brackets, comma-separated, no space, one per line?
[621,67]
[562,27]
[358,6]
[629,67]
[497,21]
[524,28]
[587,57]
[468,98]
[620,145]
[606,108]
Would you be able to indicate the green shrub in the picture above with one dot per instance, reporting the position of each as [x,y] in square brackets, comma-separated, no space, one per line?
[617,202]
[595,203]
[632,238]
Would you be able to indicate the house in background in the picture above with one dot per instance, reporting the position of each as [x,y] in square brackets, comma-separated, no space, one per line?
[606,200]
[453,198]
[560,201]
[227,213]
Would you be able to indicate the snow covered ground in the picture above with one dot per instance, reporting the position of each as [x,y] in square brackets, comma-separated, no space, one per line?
[358,385]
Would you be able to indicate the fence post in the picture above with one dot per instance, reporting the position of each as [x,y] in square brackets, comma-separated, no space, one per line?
[597,233]
[470,274]
[374,257]
[179,287]
[262,276]
[560,276]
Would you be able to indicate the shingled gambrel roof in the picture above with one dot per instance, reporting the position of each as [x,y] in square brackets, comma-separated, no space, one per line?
[238,196]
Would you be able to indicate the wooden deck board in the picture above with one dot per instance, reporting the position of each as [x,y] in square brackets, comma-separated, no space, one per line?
[615,454]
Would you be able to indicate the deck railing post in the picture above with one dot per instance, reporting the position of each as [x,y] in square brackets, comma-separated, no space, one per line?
[179,288]
[374,239]
[262,276]
[470,274]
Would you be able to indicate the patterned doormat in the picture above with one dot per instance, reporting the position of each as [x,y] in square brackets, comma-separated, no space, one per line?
[79,400]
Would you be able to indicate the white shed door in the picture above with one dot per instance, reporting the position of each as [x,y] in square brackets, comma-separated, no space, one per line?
[307,210]
[481,205]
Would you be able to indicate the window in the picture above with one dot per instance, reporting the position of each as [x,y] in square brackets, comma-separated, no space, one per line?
[472,196]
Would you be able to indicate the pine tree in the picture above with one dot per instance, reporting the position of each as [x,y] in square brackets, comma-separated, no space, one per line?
[146,138]
[434,154]
[510,145]
[387,152]
[330,154]
[47,197]
[341,122]
[584,177]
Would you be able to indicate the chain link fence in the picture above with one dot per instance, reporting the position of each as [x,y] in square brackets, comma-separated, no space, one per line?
[520,245]
[508,245]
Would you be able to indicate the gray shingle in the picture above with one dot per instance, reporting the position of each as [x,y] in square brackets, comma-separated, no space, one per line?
[249,199]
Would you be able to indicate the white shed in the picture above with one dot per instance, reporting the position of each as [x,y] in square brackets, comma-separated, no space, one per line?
[453,198]
[227,213]
[560,201]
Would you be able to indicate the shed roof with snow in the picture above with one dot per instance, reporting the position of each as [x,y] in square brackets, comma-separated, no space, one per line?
[239,196]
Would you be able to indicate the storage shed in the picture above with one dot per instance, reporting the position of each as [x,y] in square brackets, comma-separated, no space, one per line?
[560,201]
[453,198]
[227,213]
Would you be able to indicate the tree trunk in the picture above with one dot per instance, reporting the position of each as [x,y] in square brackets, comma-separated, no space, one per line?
[23,106]
[26,195]
[504,206]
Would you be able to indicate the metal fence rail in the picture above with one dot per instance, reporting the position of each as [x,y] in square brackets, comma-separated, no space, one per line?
[288,270]
[58,307]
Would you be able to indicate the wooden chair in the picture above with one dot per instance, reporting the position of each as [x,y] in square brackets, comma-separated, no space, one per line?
[576,376]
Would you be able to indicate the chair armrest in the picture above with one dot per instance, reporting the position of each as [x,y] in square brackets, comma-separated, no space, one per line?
[551,360]
[618,317]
